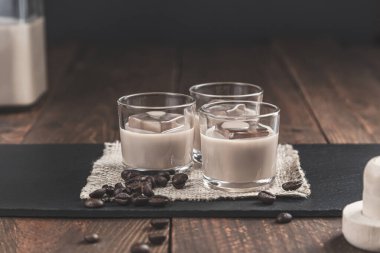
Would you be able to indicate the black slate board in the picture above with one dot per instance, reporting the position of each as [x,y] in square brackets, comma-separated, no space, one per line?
[45,181]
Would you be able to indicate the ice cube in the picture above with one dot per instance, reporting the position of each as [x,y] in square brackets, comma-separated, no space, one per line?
[156,121]
[240,130]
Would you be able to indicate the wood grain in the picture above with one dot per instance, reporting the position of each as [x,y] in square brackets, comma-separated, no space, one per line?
[26,235]
[342,91]
[14,124]
[260,65]
[259,235]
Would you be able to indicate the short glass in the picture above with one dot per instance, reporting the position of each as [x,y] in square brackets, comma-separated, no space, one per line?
[156,131]
[219,91]
[239,144]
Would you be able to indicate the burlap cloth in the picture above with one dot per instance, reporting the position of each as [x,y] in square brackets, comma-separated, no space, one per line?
[107,169]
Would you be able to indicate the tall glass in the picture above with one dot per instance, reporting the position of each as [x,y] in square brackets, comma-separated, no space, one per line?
[217,91]
[157,131]
[239,144]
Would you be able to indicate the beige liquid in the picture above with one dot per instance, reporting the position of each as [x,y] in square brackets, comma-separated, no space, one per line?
[239,160]
[197,134]
[22,61]
[157,150]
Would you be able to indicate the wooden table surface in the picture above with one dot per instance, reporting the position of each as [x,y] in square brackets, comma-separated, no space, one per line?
[328,92]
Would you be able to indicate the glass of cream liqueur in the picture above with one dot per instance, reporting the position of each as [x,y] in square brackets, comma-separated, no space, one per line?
[239,144]
[219,91]
[156,131]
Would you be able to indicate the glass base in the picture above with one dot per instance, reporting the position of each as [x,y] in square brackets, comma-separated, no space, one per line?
[197,156]
[258,185]
[179,169]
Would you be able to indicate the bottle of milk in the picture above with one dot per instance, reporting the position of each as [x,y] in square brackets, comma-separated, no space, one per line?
[22,52]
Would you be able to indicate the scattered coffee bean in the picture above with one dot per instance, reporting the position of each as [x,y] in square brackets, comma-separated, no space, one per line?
[105,186]
[158,201]
[123,202]
[284,218]
[147,190]
[266,197]
[179,180]
[165,175]
[92,238]
[93,203]
[171,172]
[141,201]
[135,195]
[127,190]
[150,180]
[291,185]
[118,190]
[110,190]
[159,223]
[135,186]
[160,181]
[119,185]
[140,248]
[156,238]
[127,174]
[122,195]
[98,194]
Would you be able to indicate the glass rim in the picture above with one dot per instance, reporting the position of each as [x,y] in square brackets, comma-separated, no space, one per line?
[276,109]
[120,100]
[196,86]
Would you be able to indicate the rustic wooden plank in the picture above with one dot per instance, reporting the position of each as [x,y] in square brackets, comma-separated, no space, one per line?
[260,65]
[83,109]
[259,235]
[342,91]
[64,235]
[14,124]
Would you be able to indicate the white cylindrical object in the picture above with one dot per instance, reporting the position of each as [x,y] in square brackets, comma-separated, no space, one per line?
[371,191]
[359,230]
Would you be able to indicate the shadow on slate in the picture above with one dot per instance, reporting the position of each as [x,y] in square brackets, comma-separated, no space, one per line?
[45,181]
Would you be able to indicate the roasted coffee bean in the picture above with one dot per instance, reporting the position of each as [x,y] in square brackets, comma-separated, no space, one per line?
[105,186]
[292,185]
[119,185]
[165,175]
[159,223]
[110,190]
[171,172]
[127,190]
[91,238]
[141,201]
[266,197]
[284,218]
[140,248]
[159,201]
[119,190]
[151,181]
[135,195]
[147,190]
[93,203]
[97,194]
[179,180]
[160,181]
[123,202]
[156,238]
[122,195]
[135,186]
[127,174]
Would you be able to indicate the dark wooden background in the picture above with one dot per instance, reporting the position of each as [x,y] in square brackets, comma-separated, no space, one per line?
[328,92]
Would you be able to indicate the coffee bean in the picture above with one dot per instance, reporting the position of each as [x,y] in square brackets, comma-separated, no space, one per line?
[292,185]
[156,238]
[119,185]
[159,223]
[284,218]
[92,238]
[107,199]
[140,248]
[171,172]
[135,186]
[179,180]
[141,201]
[165,175]
[127,190]
[266,197]
[135,195]
[147,190]
[105,186]
[97,194]
[127,174]
[110,190]
[122,195]
[123,202]
[158,201]
[93,203]
[119,190]
[151,181]
[160,181]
